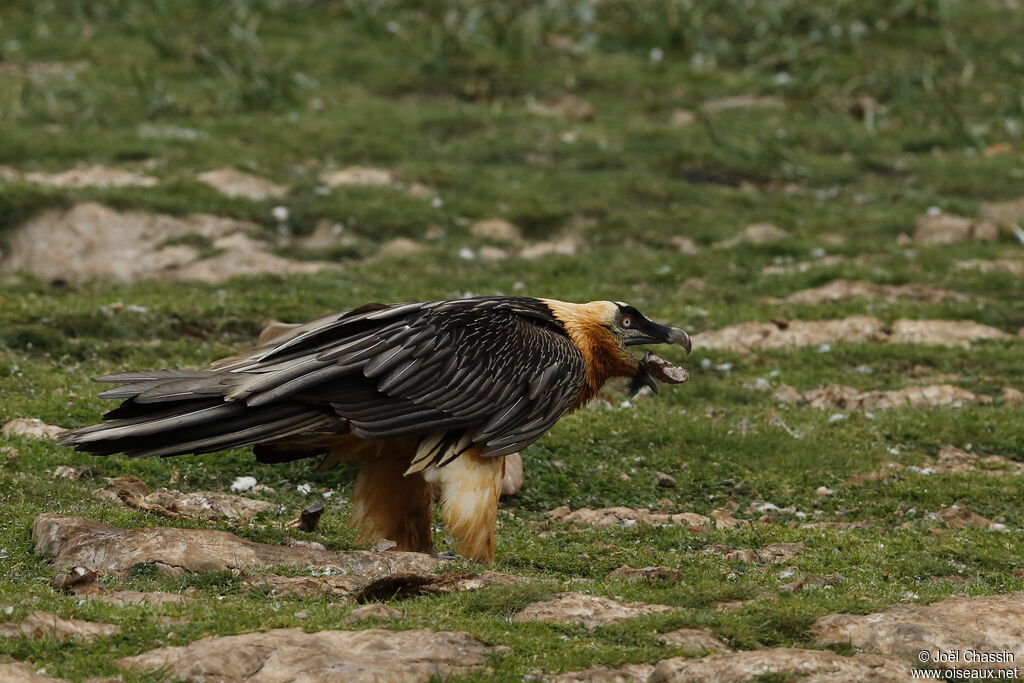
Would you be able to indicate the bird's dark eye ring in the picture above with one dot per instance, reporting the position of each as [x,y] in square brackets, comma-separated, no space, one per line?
[627,321]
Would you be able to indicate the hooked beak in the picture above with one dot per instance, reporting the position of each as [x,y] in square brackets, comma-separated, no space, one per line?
[653,333]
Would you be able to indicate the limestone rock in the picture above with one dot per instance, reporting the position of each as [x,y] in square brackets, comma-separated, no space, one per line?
[234,183]
[646,574]
[496,229]
[49,625]
[774,553]
[1008,266]
[755,336]
[565,246]
[943,332]
[1006,213]
[615,516]
[78,541]
[89,176]
[90,240]
[589,610]
[627,673]
[289,654]
[756,233]
[566,106]
[399,247]
[840,290]
[208,505]
[694,640]
[985,624]
[743,102]
[19,672]
[839,397]
[945,228]
[306,586]
[810,666]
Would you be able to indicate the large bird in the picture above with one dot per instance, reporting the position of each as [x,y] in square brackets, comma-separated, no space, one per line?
[418,394]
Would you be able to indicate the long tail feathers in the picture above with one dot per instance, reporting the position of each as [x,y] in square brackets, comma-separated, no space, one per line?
[171,412]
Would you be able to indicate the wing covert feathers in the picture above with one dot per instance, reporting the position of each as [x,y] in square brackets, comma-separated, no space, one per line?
[488,373]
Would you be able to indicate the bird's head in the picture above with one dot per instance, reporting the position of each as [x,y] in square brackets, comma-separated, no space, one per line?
[604,331]
[632,328]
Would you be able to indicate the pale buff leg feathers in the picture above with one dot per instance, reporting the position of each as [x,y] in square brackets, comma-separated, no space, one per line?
[389,505]
[470,486]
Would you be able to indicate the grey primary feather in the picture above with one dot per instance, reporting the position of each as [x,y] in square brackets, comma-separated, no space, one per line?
[492,373]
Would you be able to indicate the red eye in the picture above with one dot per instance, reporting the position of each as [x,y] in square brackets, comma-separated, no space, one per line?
[627,321]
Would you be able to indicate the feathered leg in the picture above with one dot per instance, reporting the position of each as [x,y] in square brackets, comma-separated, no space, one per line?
[470,486]
[389,505]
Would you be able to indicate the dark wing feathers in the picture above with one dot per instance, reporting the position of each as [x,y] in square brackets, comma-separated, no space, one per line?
[491,372]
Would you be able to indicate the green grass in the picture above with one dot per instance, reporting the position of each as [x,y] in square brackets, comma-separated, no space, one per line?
[887,109]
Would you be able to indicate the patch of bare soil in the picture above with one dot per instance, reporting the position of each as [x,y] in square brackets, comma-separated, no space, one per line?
[81,542]
[811,666]
[756,233]
[90,240]
[289,654]
[694,640]
[624,516]
[1008,266]
[22,673]
[778,334]
[49,625]
[982,624]
[628,673]
[840,397]
[208,505]
[589,610]
[365,176]
[839,290]
[234,183]
[31,427]
[946,228]
[83,176]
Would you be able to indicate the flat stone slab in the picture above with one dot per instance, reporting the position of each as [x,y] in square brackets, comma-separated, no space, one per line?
[589,610]
[83,542]
[49,625]
[290,654]
[986,625]
[809,666]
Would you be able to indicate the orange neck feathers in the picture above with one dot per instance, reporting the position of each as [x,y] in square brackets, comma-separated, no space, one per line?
[587,326]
